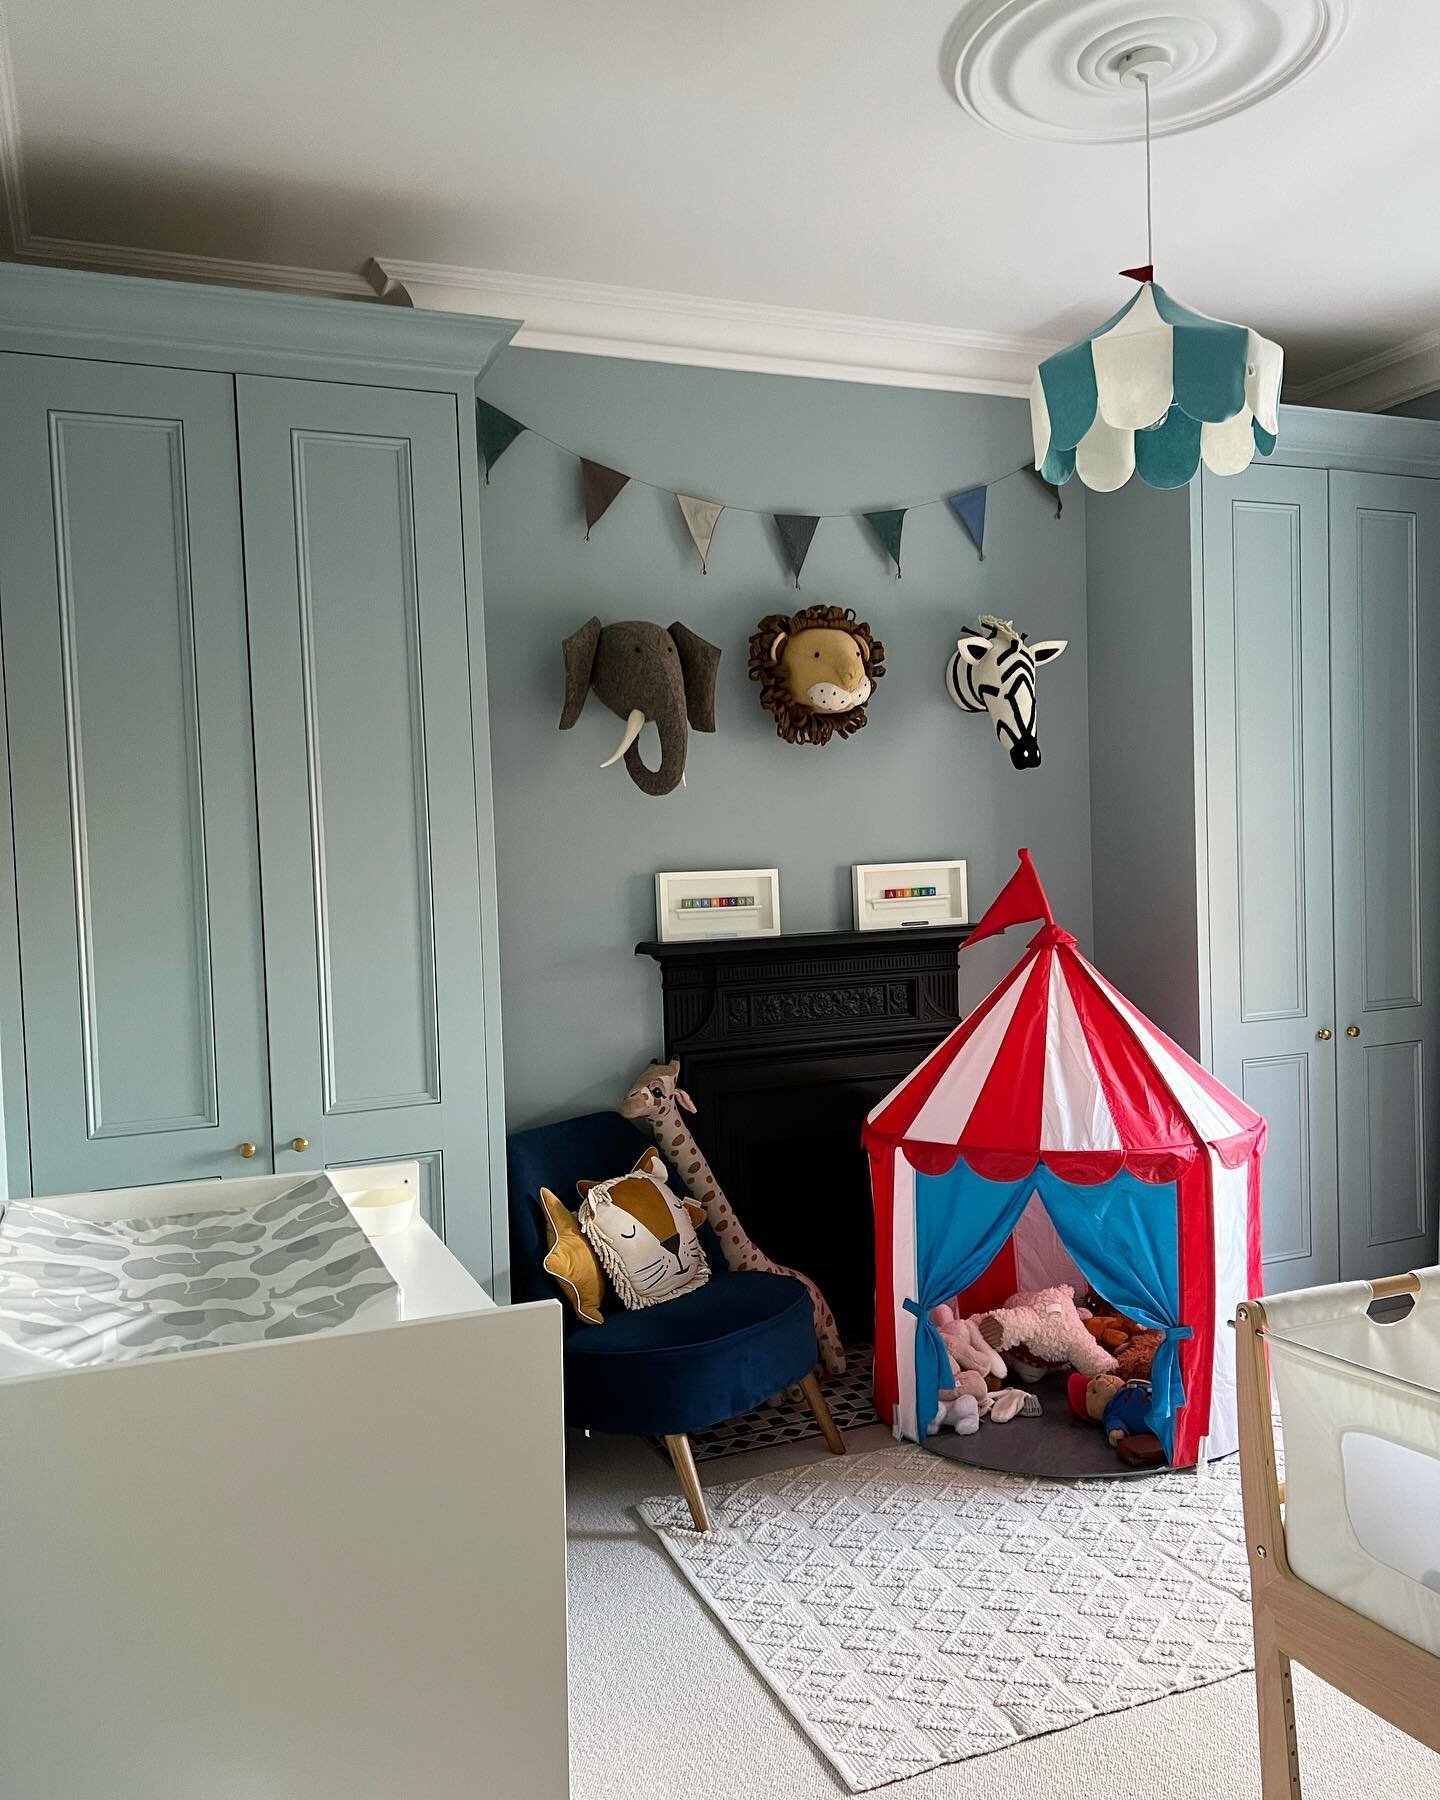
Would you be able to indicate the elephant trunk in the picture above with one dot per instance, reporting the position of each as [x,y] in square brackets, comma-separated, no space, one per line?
[674,743]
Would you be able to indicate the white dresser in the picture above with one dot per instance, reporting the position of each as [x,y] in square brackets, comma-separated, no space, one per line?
[329,1567]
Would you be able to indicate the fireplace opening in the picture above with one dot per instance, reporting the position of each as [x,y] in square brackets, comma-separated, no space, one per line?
[785,1044]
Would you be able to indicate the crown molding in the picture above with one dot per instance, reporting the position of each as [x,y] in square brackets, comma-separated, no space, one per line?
[649,325]
[176,265]
[1386,379]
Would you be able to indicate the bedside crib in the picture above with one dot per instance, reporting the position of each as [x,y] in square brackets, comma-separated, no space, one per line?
[1345,1552]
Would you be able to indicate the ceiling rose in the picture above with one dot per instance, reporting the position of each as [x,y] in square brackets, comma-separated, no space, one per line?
[1054,68]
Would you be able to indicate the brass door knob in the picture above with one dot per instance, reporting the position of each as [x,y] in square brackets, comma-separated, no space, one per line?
[1324,1034]
[299,1144]
[1352,1031]
[247,1149]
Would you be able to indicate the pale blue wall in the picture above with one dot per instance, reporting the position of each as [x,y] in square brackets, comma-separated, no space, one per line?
[578,847]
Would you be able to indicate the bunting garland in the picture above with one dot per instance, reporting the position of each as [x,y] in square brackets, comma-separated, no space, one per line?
[701,517]
[969,508]
[796,531]
[887,527]
[497,432]
[601,485]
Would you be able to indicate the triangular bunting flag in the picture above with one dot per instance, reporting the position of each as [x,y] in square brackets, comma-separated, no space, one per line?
[887,527]
[497,432]
[701,517]
[601,485]
[1048,486]
[969,509]
[796,531]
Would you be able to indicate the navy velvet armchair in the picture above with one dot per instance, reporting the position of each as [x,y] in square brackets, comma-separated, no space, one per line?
[663,1371]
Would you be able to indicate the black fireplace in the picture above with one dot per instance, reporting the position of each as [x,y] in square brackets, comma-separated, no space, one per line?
[785,1043]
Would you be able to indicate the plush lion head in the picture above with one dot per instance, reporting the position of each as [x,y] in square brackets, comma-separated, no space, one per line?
[816,669]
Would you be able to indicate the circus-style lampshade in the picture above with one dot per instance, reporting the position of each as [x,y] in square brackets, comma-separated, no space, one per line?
[1157,389]
[1154,391]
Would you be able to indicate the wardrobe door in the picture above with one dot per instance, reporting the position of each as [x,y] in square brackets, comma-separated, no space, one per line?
[365,764]
[128,723]
[1267,758]
[1385,713]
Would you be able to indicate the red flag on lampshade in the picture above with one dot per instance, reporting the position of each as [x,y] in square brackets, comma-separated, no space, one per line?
[1020,901]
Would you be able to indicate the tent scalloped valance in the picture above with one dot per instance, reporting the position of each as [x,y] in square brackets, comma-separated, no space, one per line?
[1154,391]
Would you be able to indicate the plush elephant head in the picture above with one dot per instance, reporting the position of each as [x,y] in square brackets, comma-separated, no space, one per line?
[643,672]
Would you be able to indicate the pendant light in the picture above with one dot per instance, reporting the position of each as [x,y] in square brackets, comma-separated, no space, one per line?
[1156,389]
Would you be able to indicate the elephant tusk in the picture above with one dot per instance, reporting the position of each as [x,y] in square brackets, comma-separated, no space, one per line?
[634,725]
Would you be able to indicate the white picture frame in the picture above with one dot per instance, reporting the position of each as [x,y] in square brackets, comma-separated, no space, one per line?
[879,907]
[680,916]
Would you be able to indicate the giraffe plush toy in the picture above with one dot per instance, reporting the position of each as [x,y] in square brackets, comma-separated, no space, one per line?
[656,1097]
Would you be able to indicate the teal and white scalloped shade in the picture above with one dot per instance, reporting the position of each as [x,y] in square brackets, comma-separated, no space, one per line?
[1155,391]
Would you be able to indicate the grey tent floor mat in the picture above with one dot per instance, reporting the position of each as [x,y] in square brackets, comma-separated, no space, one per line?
[1056,1445]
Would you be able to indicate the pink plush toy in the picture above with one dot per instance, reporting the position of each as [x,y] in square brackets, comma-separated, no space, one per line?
[1044,1324]
[968,1349]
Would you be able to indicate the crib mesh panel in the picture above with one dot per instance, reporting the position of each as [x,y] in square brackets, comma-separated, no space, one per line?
[1360,1412]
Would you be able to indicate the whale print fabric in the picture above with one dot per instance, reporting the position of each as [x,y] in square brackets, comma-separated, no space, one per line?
[80,1292]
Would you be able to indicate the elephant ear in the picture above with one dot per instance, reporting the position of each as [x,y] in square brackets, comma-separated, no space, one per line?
[699,664]
[579,648]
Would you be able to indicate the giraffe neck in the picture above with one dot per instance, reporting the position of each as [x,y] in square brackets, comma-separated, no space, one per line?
[698,1176]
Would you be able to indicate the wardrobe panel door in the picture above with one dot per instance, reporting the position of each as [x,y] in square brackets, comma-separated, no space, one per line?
[1267,738]
[1385,710]
[359,645]
[122,591]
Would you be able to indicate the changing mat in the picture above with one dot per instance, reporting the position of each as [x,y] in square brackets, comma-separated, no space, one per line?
[81,1291]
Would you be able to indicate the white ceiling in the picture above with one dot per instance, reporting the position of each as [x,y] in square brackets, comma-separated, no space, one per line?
[778,154]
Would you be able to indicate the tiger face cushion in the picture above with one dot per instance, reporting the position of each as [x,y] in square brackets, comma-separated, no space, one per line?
[643,1235]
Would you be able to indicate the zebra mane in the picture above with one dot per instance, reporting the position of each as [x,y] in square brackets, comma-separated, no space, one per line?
[998,627]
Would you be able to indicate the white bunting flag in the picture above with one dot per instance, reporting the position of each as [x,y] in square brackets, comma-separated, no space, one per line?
[701,517]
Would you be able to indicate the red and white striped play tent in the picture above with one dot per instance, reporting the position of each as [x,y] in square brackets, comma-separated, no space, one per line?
[1057,1135]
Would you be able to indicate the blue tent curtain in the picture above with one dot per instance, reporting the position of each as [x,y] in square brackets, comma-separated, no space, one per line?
[961,1223]
[1125,1237]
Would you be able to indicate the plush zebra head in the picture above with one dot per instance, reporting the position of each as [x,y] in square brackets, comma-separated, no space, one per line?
[994,671]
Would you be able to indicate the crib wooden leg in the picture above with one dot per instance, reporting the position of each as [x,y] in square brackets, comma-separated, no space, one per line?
[820,1407]
[1279,1755]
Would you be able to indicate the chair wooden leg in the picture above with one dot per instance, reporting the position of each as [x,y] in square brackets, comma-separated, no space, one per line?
[679,1448]
[1279,1755]
[820,1407]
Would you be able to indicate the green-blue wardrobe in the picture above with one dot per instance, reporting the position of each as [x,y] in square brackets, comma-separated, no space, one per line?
[1265,778]
[250,922]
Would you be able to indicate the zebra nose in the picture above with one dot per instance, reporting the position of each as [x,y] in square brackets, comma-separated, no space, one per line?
[1025,754]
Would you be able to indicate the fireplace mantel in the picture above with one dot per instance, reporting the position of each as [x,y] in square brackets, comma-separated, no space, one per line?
[785,1043]
[845,987]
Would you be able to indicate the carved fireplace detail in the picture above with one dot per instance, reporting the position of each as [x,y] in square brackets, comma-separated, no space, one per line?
[785,1043]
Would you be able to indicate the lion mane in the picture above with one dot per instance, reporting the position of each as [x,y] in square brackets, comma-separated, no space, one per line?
[796,722]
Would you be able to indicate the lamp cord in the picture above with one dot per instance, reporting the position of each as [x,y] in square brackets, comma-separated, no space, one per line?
[1149,215]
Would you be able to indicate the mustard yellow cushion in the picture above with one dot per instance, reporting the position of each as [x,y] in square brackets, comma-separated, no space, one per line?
[571,1261]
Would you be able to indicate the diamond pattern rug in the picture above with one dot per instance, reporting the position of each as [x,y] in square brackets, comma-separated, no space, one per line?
[911,1612]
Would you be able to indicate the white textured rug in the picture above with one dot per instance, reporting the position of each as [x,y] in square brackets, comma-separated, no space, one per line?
[910,1612]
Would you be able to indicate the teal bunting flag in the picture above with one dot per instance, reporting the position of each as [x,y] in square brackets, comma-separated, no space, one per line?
[969,509]
[600,486]
[887,527]
[497,432]
[796,530]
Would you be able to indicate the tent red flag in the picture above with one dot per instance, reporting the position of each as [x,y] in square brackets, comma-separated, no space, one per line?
[1021,900]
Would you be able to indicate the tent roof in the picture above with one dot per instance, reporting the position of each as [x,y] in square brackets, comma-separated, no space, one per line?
[1055,1065]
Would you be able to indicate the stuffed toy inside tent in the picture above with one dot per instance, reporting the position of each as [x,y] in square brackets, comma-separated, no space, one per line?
[1056,1131]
